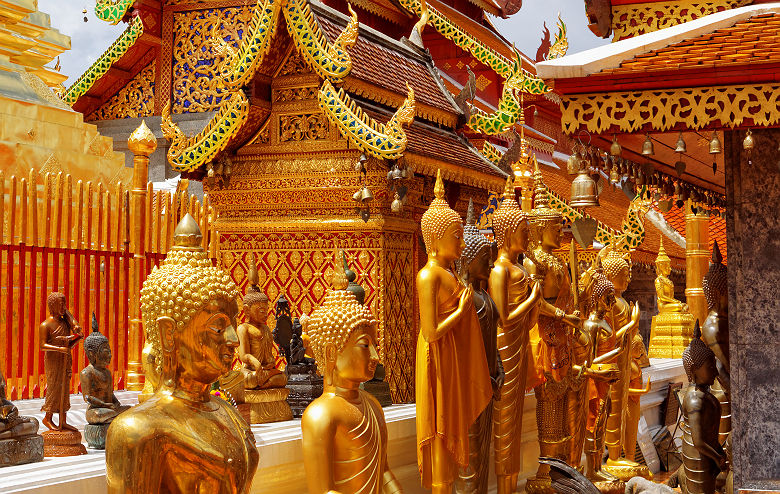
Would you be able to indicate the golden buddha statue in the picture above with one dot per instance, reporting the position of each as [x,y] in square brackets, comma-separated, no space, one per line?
[474,268]
[703,456]
[617,269]
[671,329]
[550,339]
[182,439]
[516,299]
[264,384]
[452,382]
[631,415]
[344,430]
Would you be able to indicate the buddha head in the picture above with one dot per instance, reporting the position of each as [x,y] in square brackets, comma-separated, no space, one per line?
[96,347]
[699,360]
[546,223]
[189,313]
[442,228]
[56,303]
[510,225]
[476,261]
[617,269]
[716,282]
[663,264]
[602,293]
[343,335]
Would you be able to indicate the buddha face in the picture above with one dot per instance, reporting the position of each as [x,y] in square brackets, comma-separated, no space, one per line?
[706,374]
[551,235]
[451,244]
[58,306]
[621,279]
[517,240]
[257,311]
[208,343]
[480,266]
[358,359]
[101,357]
[607,300]
[663,268]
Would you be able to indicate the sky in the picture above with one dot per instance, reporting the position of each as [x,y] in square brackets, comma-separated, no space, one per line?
[90,39]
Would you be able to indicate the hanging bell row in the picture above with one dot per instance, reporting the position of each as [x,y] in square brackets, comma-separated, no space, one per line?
[584,190]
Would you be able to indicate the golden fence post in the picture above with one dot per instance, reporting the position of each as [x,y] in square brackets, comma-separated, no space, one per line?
[142,144]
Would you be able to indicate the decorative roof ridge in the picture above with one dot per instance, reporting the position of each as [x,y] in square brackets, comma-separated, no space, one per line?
[366,32]
[612,55]
[431,64]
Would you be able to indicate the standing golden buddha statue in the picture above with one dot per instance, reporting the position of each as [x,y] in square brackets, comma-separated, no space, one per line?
[474,268]
[550,340]
[617,269]
[452,380]
[344,430]
[517,300]
[182,439]
[671,329]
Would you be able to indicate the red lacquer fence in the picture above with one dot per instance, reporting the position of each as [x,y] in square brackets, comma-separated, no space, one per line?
[74,238]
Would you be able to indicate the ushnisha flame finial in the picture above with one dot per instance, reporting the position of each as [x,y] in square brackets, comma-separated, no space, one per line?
[253,276]
[470,216]
[508,215]
[717,257]
[438,217]
[509,189]
[438,188]
[340,281]
[187,233]
[662,255]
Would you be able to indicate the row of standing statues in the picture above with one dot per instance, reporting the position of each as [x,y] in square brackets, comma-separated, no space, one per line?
[491,329]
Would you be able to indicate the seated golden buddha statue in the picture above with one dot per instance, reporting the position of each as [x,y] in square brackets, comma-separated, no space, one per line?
[19,438]
[182,439]
[344,430]
[671,329]
[264,384]
[452,380]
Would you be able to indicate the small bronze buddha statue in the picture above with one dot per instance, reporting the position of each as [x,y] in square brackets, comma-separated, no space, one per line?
[516,298]
[59,334]
[264,384]
[97,388]
[182,439]
[474,267]
[344,430]
[703,456]
[303,381]
[452,381]
[671,329]
[19,439]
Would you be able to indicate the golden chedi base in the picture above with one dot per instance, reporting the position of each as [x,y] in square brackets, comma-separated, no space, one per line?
[670,334]
[268,405]
[626,469]
[62,443]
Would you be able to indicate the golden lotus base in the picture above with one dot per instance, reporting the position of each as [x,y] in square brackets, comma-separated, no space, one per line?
[268,405]
[626,470]
[62,443]
[670,334]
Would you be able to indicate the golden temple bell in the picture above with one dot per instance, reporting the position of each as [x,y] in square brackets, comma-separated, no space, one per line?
[647,147]
[584,191]
[573,163]
[363,195]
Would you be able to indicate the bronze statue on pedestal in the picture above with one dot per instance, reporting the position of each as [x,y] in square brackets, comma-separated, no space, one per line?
[97,388]
[19,439]
[59,333]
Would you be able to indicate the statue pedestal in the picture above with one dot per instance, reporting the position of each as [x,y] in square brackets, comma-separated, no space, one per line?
[267,405]
[63,443]
[27,449]
[625,471]
[95,435]
[670,334]
[304,387]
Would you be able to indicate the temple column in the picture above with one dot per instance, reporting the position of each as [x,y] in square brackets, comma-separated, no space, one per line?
[697,260]
[753,242]
[142,144]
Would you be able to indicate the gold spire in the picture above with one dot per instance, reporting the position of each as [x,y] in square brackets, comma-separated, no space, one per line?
[340,281]
[142,141]
[187,233]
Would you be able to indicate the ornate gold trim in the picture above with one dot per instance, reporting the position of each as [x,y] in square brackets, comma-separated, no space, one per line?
[632,20]
[662,110]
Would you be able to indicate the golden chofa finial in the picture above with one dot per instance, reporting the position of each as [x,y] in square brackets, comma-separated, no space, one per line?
[340,281]
[187,233]
[438,189]
[142,141]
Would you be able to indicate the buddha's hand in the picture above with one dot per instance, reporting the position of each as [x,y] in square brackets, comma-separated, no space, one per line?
[573,320]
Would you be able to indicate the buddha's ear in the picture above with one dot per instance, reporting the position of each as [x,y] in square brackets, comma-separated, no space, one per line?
[330,352]
[167,328]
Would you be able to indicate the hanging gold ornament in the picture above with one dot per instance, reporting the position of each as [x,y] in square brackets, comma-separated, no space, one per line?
[647,147]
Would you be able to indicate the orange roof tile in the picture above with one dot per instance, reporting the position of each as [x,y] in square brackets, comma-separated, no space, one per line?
[754,41]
